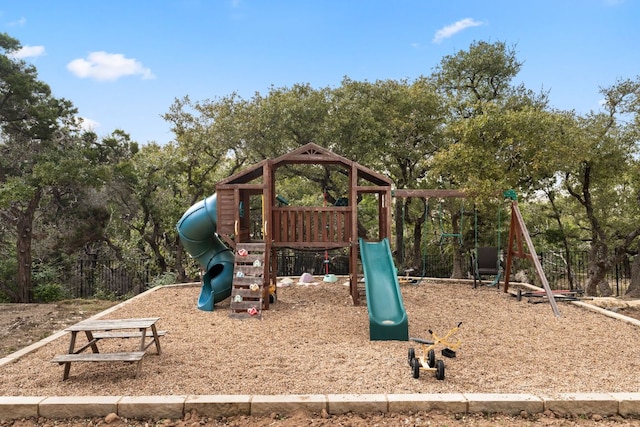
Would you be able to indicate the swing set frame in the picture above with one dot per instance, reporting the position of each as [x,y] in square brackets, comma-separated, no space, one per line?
[426,195]
[518,234]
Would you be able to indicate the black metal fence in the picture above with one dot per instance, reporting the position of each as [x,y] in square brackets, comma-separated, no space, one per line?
[561,273]
[112,278]
[557,267]
[437,266]
[109,278]
[295,263]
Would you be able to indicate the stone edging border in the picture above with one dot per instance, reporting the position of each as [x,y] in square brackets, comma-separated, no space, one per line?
[175,407]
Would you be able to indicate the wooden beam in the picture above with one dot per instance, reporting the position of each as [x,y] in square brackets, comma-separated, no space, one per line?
[427,193]
[372,189]
[316,159]
[311,245]
[270,262]
[257,187]
[353,249]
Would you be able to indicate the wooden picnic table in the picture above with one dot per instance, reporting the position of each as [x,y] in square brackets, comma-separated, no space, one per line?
[96,330]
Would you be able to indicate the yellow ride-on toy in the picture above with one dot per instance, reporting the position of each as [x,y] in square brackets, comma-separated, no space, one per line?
[427,361]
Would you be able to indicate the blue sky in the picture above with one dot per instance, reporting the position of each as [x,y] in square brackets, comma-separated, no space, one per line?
[122,63]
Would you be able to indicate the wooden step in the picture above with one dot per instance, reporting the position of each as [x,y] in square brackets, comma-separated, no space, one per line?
[247,294]
[250,258]
[251,247]
[243,309]
[247,281]
[248,270]
[251,266]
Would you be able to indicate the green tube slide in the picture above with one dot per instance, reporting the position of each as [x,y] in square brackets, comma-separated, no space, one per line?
[197,231]
[387,315]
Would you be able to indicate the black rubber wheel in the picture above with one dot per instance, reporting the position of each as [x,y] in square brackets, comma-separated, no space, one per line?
[411,355]
[440,370]
[431,358]
[415,368]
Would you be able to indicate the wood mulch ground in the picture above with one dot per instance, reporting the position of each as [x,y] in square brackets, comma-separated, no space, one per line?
[313,340]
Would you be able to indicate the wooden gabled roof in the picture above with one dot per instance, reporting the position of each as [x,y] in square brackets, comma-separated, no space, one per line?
[311,153]
[314,154]
[307,154]
[246,175]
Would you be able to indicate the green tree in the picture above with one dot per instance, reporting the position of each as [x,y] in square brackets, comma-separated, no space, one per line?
[287,118]
[145,199]
[39,153]
[143,196]
[490,129]
[212,140]
[601,177]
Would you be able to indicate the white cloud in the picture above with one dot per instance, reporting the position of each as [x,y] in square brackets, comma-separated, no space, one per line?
[456,27]
[105,66]
[89,125]
[28,52]
[19,23]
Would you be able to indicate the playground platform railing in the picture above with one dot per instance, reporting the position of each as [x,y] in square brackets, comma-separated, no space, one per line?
[312,226]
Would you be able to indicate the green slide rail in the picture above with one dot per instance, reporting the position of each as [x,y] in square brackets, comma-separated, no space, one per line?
[387,315]
[197,230]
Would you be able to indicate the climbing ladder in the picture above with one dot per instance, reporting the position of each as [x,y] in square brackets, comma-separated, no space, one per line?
[248,281]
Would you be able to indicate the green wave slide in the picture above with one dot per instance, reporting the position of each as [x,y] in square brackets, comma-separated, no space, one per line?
[387,315]
[197,231]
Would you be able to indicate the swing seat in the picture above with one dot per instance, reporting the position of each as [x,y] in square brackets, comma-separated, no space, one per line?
[487,263]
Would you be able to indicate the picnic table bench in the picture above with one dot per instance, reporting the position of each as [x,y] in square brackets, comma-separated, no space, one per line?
[96,330]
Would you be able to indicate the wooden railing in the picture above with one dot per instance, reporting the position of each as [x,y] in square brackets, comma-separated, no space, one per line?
[312,227]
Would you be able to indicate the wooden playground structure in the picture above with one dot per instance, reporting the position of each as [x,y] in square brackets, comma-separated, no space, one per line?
[315,228]
[299,227]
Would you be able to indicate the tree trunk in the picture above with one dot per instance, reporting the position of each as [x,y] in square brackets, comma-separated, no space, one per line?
[24,228]
[160,261]
[459,267]
[634,287]
[417,241]
[565,243]
[458,271]
[597,270]
[179,267]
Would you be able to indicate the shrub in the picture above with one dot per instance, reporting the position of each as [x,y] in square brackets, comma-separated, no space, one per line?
[168,278]
[50,292]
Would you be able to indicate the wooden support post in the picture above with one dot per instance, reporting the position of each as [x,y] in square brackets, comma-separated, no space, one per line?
[518,231]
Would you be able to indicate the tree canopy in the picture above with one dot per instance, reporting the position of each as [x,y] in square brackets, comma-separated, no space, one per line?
[66,193]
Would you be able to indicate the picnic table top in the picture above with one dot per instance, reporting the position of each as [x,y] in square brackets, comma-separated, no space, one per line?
[112,324]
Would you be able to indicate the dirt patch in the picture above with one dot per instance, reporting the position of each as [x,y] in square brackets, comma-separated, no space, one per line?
[24,324]
[314,340]
[624,306]
[300,419]
[629,311]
